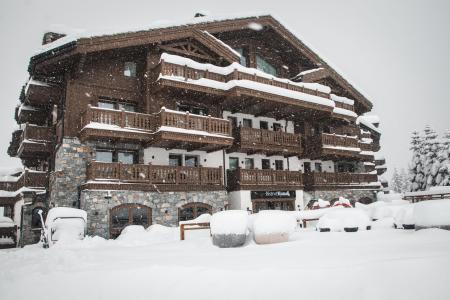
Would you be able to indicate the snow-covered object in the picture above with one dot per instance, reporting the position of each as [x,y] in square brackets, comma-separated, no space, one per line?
[273,226]
[404,217]
[314,213]
[132,233]
[65,223]
[342,99]
[386,211]
[137,235]
[203,218]
[320,203]
[343,219]
[229,228]
[6,222]
[432,213]
[383,224]
[342,202]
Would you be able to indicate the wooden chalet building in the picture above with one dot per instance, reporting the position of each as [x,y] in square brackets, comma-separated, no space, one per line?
[163,124]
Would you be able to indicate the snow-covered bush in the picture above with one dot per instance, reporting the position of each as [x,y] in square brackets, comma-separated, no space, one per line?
[229,228]
[351,219]
[273,226]
[404,217]
[432,213]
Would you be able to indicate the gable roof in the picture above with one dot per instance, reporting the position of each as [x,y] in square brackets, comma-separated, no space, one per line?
[159,32]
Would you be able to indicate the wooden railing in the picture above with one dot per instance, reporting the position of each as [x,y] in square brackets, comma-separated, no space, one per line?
[31,179]
[170,69]
[37,133]
[344,105]
[153,174]
[339,141]
[194,122]
[366,147]
[318,178]
[253,136]
[241,177]
[346,130]
[119,118]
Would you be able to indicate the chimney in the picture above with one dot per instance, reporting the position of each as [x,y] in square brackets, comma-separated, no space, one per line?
[50,37]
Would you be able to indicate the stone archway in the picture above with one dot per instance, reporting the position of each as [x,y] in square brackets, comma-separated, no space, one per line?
[123,215]
[192,210]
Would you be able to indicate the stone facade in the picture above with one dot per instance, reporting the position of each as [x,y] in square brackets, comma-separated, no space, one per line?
[70,172]
[351,194]
[28,234]
[164,205]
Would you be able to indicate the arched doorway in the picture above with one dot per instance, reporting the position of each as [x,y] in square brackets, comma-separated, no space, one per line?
[191,211]
[365,200]
[128,214]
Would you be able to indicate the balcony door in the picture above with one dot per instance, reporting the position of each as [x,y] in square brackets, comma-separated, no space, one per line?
[193,210]
[128,214]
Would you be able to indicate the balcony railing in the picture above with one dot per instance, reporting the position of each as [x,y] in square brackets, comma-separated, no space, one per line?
[339,141]
[37,133]
[366,147]
[154,175]
[252,178]
[323,179]
[262,140]
[30,179]
[344,105]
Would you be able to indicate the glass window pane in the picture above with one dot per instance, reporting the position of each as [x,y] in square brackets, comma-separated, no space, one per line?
[119,218]
[140,216]
[175,160]
[318,167]
[265,164]
[104,156]
[247,123]
[263,65]
[125,157]
[249,164]
[233,163]
[127,107]
[191,161]
[278,165]
[103,104]
[130,69]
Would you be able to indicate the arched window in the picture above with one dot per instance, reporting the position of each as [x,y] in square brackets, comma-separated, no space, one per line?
[191,211]
[128,214]
[36,218]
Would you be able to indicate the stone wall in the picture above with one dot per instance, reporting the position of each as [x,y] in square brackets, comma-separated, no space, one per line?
[164,205]
[70,172]
[351,194]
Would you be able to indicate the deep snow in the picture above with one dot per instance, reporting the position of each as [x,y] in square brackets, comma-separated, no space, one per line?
[376,264]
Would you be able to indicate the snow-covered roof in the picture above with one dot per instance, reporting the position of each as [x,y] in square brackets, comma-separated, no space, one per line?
[308,72]
[9,194]
[342,99]
[223,44]
[367,121]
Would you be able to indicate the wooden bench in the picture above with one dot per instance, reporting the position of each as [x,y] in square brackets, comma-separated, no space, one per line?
[307,220]
[192,226]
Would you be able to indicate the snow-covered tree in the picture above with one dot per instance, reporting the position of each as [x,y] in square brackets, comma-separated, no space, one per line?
[429,159]
[405,184]
[415,168]
[443,157]
[396,182]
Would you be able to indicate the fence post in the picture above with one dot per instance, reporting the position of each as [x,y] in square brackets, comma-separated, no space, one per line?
[208,124]
[122,118]
[186,125]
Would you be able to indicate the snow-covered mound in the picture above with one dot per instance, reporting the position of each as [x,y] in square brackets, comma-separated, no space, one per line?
[320,203]
[204,218]
[273,226]
[382,224]
[229,222]
[343,202]
[6,222]
[344,219]
[404,217]
[432,213]
[134,235]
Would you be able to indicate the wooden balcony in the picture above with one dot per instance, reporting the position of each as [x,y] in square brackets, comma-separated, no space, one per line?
[38,93]
[29,114]
[28,179]
[167,129]
[264,180]
[334,180]
[246,98]
[252,140]
[331,146]
[366,153]
[35,142]
[14,144]
[117,176]
[192,132]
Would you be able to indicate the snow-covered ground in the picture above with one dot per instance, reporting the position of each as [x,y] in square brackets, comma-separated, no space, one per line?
[154,264]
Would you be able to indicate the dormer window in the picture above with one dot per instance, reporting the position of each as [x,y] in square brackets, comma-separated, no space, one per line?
[263,65]
[129,69]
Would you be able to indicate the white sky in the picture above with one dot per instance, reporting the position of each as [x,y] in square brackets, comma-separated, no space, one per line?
[397,54]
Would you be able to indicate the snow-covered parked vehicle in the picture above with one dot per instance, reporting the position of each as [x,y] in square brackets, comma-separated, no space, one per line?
[404,217]
[348,220]
[432,214]
[64,223]
[273,226]
[229,228]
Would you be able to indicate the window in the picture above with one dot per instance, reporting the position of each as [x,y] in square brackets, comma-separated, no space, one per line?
[263,65]
[307,167]
[249,163]
[128,214]
[175,160]
[233,121]
[247,123]
[265,164]
[193,210]
[113,155]
[116,105]
[233,163]
[244,56]
[191,161]
[129,69]
[276,127]
[263,125]
[318,167]
[193,109]
[279,165]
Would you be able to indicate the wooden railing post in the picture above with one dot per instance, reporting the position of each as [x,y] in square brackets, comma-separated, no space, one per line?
[186,118]
[119,168]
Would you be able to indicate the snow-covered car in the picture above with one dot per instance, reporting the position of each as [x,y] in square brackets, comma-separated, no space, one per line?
[348,220]
[64,223]
[404,217]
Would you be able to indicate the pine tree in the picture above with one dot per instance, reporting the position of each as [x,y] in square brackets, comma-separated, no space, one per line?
[443,156]
[431,164]
[396,183]
[415,168]
[405,183]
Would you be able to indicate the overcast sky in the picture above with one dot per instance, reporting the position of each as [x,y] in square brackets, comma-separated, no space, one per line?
[397,54]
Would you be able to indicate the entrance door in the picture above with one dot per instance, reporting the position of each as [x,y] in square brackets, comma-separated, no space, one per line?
[266,204]
[128,214]
[193,210]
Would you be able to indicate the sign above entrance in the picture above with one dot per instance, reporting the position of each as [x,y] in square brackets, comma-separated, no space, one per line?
[272,194]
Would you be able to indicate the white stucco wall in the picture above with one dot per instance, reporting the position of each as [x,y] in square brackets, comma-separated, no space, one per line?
[255,121]
[160,156]
[240,200]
